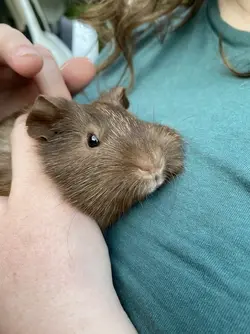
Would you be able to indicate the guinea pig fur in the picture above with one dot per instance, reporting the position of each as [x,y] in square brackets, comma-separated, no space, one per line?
[102,158]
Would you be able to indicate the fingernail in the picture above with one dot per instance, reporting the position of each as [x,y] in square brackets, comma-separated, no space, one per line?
[69,62]
[64,66]
[26,50]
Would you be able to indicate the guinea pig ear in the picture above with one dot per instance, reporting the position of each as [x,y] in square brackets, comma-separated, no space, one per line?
[45,113]
[116,96]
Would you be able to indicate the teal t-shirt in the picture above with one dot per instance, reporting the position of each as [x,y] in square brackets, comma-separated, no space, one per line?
[181,260]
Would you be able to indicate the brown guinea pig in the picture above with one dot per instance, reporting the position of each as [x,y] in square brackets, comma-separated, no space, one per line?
[102,158]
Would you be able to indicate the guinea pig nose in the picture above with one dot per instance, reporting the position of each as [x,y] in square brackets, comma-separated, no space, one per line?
[147,168]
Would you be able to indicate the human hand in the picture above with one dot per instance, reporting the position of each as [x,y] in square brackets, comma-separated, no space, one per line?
[55,274]
[21,61]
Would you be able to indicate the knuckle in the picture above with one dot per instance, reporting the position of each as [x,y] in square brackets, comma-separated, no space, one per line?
[5,31]
[4,27]
[10,36]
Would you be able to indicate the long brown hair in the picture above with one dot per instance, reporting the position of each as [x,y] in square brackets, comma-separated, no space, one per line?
[116,20]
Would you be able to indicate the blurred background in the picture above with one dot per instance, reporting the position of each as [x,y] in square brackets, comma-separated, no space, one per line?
[55,25]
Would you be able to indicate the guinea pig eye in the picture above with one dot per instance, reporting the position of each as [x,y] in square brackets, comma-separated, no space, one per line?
[93,141]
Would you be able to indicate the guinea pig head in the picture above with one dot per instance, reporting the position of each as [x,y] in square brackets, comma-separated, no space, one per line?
[102,157]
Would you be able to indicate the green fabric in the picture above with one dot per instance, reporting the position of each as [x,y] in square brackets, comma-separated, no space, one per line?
[181,261]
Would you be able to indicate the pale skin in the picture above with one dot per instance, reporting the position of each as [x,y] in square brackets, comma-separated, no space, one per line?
[55,274]
[236,13]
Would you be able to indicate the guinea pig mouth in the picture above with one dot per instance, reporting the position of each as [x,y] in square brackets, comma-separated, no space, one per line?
[153,180]
[155,184]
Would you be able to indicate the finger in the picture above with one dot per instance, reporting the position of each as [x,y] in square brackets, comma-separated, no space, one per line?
[3,206]
[49,80]
[30,185]
[22,148]
[18,53]
[77,74]
[26,166]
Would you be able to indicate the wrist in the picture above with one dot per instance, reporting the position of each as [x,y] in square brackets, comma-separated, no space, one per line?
[55,285]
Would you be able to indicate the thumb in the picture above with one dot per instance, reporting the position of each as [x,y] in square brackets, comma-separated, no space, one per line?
[18,145]
[27,173]
[3,206]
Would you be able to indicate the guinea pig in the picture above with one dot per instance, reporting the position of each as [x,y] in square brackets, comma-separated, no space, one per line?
[102,158]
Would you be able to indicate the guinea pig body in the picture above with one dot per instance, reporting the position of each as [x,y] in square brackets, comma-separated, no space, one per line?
[101,157]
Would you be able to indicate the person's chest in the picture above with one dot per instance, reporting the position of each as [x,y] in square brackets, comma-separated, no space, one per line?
[187,246]
[194,233]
